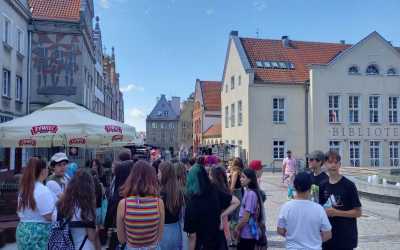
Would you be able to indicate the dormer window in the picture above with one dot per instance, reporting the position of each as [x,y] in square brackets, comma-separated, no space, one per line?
[165,113]
[391,72]
[353,70]
[372,70]
[159,113]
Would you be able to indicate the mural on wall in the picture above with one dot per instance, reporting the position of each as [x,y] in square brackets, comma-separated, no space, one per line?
[55,60]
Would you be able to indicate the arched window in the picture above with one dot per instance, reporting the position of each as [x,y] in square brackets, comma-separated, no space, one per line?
[391,72]
[372,70]
[353,70]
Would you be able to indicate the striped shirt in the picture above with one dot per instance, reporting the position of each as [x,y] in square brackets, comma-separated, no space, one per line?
[142,219]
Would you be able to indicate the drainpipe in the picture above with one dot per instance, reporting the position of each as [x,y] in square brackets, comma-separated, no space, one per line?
[29,65]
[306,92]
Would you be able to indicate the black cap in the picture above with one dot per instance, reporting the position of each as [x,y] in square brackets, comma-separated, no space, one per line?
[302,182]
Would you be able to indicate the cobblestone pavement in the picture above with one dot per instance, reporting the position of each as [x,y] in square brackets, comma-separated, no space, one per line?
[378,228]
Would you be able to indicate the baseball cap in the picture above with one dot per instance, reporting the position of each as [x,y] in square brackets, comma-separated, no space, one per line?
[302,182]
[255,165]
[317,155]
[59,157]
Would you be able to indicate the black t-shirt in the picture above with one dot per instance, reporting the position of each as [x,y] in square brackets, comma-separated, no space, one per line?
[202,216]
[319,179]
[170,218]
[343,196]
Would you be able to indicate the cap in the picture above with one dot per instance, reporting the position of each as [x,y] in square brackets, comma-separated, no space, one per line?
[317,155]
[59,157]
[302,182]
[255,165]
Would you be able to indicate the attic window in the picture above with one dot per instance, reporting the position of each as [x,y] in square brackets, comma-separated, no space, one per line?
[275,65]
[391,72]
[165,113]
[353,70]
[372,70]
[159,113]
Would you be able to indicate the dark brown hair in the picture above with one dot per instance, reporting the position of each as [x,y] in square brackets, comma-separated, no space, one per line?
[237,164]
[142,181]
[99,167]
[332,154]
[80,194]
[219,179]
[181,173]
[170,187]
[27,185]
[125,155]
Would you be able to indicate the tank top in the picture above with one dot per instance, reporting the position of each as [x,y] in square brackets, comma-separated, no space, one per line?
[142,218]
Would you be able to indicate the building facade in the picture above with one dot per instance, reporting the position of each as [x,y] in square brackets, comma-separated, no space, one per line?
[14,58]
[207,109]
[303,96]
[67,58]
[186,125]
[162,124]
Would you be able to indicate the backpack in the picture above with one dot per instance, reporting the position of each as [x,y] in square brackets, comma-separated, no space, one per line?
[60,237]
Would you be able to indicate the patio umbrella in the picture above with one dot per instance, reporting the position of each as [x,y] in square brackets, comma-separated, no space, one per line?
[64,124]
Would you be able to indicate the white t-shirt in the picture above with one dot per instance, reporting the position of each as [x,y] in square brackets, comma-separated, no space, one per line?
[56,188]
[45,202]
[303,221]
[78,234]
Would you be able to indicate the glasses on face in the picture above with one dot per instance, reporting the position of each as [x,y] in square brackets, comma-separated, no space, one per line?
[312,159]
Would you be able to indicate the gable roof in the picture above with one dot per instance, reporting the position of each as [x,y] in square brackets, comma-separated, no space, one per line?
[213,131]
[161,107]
[211,93]
[64,10]
[301,53]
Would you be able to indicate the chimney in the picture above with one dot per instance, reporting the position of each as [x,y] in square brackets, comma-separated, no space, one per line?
[285,41]
[176,104]
[234,33]
[342,42]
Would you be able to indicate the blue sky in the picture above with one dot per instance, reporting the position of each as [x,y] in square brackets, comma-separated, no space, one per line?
[162,46]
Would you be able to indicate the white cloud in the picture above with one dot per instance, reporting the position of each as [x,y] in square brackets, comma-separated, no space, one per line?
[136,117]
[131,88]
[210,12]
[105,4]
[260,5]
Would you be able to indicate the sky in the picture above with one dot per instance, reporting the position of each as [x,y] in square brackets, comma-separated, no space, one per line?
[163,46]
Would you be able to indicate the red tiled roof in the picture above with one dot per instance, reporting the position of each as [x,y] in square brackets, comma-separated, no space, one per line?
[211,91]
[56,9]
[213,131]
[302,54]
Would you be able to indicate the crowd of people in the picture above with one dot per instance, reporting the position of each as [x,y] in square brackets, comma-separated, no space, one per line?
[195,204]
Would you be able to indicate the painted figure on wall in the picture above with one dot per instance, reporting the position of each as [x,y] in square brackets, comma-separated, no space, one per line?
[55,63]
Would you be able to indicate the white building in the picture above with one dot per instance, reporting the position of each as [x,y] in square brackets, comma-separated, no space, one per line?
[303,96]
[14,53]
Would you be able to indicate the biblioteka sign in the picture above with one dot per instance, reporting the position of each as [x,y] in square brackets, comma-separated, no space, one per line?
[365,132]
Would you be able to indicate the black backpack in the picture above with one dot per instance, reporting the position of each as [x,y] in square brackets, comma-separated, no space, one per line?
[60,237]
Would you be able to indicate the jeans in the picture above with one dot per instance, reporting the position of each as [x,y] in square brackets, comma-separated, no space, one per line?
[172,237]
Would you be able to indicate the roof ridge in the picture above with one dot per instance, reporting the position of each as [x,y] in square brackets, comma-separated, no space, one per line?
[296,41]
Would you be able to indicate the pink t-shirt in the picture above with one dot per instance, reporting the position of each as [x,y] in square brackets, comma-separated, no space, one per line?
[290,165]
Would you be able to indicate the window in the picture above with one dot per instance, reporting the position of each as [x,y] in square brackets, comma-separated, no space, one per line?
[232,115]
[354,109]
[18,94]
[394,153]
[372,70]
[226,117]
[374,153]
[259,64]
[267,64]
[20,41]
[335,146]
[353,70]
[171,125]
[162,125]
[374,109]
[6,83]
[165,113]
[334,108]
[232,82]
[7,29]
[391,72]
[240,115]
[239,80]
[275,65]
[226,88]
[355,153]
[278,150]
[393,109]
[278,110]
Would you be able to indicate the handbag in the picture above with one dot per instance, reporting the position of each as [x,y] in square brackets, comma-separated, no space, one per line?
[259,221]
